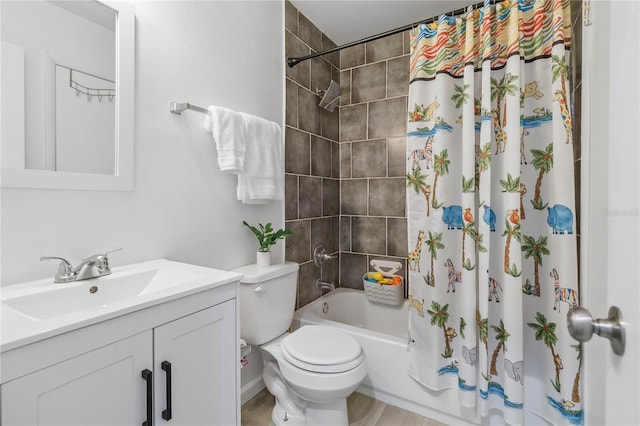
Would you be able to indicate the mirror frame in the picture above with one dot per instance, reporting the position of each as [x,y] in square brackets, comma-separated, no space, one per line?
[125,73]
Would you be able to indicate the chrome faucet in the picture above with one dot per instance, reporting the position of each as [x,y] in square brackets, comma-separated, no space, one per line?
[96,265]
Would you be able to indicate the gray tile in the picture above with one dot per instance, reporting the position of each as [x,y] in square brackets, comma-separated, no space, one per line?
[353,197]
[330,197]
[307,290]
[335,234]
[290,197]
[407,42]
[385,48]
[397,156]
[369,158]
[331,124]
[388,118]
[309,113]
[345,233]
[398,76]
[345,82]
[297,152]
[345,160]
[335,160]
[291,118]
[298,245]
[309,33]
[294,48]
[310,197]
[352,57]
[333,58]
[320,74]
[397,244]
[353,122]
[387,197]
[320,156]
[321,233]
[290,17]
[352,269]
[368,82]
[368,235]
[335,74]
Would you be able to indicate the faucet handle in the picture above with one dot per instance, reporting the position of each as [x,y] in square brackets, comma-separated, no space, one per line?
[65,270]
[103,260]
[111,251]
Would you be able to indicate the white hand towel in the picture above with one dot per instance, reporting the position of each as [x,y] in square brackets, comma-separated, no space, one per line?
[229,132]
[263,177]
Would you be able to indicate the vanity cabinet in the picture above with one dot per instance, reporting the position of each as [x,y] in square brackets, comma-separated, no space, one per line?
[98,387]
[189,358]
[199,357]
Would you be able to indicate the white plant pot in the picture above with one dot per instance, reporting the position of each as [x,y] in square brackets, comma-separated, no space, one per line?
[264,258]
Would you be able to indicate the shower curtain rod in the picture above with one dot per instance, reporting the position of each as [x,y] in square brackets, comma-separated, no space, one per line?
[295,61]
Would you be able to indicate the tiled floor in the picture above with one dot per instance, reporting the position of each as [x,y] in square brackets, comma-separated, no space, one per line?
[363,411]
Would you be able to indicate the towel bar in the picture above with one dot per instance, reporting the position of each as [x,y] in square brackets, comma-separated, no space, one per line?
[179,108]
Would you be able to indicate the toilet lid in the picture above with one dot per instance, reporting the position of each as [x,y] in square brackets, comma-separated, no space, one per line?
[322,350]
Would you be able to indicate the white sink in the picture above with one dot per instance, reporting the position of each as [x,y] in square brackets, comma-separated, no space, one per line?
[40,309]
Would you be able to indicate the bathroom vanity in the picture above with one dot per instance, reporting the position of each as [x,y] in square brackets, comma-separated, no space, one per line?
[167,350]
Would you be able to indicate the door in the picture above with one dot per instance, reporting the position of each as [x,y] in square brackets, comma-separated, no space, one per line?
[101,387]
[610,206]
[195,368]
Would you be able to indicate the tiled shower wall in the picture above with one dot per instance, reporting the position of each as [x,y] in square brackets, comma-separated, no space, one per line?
[312,185]
[344,170]
[373,117]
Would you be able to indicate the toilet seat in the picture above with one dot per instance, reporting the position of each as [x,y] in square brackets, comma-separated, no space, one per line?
[321,350]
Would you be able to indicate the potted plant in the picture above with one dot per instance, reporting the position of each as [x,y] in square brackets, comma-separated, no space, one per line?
[267,237]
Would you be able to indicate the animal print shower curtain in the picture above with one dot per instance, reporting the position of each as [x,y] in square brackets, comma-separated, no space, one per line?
[491,223]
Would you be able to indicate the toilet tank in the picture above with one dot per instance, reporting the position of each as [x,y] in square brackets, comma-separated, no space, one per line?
[267,300]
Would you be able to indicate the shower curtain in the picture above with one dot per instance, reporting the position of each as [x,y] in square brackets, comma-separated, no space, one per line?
[490,187]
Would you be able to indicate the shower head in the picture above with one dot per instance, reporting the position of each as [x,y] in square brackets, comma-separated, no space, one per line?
[331,96]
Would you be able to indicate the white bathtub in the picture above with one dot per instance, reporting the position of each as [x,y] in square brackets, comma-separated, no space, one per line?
[382,333]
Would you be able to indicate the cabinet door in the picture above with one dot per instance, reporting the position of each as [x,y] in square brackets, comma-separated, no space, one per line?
[101,387]
[201,350]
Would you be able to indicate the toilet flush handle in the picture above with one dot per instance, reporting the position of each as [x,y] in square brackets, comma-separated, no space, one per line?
[261,289]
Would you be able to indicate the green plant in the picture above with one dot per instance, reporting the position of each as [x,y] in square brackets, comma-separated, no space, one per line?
[266,235]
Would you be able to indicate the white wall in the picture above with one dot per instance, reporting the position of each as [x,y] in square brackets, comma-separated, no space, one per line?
[182,207]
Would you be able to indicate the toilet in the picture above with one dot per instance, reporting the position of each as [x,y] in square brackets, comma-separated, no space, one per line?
[310,371]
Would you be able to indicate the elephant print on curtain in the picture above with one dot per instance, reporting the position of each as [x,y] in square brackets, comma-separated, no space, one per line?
[492,204]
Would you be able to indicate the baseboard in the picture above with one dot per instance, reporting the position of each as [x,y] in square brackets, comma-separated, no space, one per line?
[251,389]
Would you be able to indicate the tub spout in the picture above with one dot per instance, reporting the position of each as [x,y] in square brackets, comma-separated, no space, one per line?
[324,285]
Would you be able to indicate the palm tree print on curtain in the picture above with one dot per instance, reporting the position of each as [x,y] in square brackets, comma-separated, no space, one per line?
[489,98]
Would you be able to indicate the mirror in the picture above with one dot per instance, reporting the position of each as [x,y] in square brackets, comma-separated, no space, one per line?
[67,94]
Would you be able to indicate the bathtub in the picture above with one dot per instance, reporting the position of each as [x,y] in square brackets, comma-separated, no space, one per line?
[382,331]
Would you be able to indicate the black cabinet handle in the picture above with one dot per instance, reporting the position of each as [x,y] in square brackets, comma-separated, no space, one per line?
[147,376]
[166,366]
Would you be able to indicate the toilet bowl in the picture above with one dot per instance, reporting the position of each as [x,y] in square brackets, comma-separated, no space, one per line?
[310,371]
[321,380]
